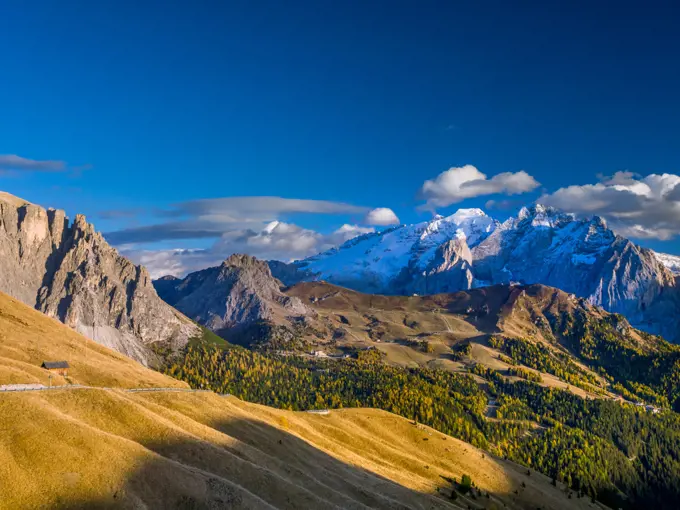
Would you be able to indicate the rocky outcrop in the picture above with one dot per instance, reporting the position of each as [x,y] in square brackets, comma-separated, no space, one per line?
[450,270]
[239,292]
[68,271]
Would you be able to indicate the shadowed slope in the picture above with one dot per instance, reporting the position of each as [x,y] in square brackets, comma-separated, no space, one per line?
[109,449]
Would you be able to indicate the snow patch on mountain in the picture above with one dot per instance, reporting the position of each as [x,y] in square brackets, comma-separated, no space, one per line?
[672,262]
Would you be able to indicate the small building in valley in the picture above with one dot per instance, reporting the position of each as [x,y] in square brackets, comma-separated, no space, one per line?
[56,367]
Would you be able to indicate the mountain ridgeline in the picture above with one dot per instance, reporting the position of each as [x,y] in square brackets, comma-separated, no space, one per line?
[527,372]
[68,271]
[469,249]
[557,332]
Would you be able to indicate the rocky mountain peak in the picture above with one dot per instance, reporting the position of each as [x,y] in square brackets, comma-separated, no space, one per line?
[246,262]
[168,278]
[239,292]
[536,210]
[470,224]
[451,268]
[538,215]
[69,272]
[81,225]
[599,222]
[463,214]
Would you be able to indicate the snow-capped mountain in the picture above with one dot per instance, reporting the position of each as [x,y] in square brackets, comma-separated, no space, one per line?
[470,249]
[393,261]
[672,262]
[584,257]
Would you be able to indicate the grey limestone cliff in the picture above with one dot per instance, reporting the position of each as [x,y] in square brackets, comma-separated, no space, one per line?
[68,271]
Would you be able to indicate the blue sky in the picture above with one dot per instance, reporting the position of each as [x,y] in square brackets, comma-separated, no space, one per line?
[151,104]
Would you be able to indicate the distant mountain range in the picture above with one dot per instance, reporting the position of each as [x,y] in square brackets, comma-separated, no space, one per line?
[68,271]
[470,249]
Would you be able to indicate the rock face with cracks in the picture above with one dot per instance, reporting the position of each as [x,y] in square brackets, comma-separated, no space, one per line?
[69,272]
[239,292]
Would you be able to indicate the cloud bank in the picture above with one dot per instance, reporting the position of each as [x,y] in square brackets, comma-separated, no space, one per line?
[211,218]
[634,206]
[252,225]
[458,183]
[277,240]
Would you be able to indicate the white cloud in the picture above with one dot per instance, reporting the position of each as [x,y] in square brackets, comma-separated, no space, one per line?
[247,206]
[276,241]
[458,183]
[252,225]
[634,206]
[381,216]
[159,263]
[345,233]
[284,241]
[9,162]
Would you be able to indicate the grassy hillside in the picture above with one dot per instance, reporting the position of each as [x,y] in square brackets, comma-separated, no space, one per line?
[455,332]
[111,448]
[620,453]
[28,337]
[96,448]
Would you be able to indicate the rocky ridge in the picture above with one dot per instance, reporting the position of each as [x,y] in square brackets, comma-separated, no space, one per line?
[69,272]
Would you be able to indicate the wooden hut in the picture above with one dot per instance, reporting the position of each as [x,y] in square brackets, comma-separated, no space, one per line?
[56,367]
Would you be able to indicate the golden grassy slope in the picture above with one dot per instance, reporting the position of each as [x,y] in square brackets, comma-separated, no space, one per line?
[108,448]
[28,337]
